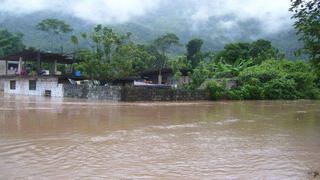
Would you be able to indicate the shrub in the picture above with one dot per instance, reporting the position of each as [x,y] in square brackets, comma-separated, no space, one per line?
[278,80]
[281,89]
[313,93]
[217,90]
[235,94]
[198,76]
[252,92]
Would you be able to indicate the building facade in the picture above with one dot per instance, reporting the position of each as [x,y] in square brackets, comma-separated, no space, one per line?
[166,77]
[37,86]
[7,68]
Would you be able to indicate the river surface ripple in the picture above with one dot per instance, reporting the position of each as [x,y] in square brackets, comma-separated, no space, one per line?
[44,138]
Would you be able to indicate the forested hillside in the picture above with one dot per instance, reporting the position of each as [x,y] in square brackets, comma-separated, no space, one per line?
[145,29]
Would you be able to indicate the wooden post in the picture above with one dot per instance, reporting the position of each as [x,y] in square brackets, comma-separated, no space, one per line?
[159,77]
[7,67]
[20,66]
[38,63]
[55,67]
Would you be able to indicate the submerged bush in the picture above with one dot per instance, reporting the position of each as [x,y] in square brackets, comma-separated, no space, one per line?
[281,88]
[276,80]
[235,94]
[217,90]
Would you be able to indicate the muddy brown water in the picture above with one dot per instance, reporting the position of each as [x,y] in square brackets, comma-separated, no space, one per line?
[44,138]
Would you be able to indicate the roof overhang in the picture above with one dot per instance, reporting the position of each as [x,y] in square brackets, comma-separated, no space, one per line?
[33,55]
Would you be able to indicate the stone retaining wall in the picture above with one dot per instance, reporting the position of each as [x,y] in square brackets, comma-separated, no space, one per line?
[112,93]
[162,94]
[132,94]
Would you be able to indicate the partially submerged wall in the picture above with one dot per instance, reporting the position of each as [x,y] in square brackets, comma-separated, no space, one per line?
[2,67]
[111,93]
[133,93]
[162,94]
[1,85]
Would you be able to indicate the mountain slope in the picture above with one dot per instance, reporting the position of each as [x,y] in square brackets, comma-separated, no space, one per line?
[147,28]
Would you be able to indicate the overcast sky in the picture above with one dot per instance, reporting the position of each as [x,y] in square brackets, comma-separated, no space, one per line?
[273,14]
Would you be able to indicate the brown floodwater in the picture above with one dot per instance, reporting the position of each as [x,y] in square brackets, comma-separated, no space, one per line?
[44,138]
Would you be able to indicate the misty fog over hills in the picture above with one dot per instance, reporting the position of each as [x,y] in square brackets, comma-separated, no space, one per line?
[217,23]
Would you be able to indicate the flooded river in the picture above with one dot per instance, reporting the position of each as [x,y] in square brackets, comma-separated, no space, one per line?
[71,139]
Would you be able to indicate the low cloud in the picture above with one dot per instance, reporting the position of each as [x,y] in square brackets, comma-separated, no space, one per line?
[98,11]
[273,15]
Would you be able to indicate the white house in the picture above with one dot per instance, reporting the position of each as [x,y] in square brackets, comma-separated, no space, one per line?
[22,74]
[28,85]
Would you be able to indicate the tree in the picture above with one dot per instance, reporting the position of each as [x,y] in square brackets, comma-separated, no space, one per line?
[194,54]
[258,51]
[55,27]
[10,43]
[199,75]
[163,44]
[112,55]
[234,51]
[307,16]
[225,70]
[262,50]
[105,41]
[130,59]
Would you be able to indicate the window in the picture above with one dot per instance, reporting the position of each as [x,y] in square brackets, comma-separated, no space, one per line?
[32,85]
[12,66]
[12,84]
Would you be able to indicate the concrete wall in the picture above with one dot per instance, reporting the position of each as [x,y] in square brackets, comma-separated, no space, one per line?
[11,71]
[162,94]
[133,93]
[2,67]
[1,84]
[111,93]
[43,84]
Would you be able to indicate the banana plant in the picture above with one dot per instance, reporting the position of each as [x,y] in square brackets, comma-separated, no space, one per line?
[223,69]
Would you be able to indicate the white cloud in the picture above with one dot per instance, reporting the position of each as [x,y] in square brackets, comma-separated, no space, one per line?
[201,15]
[21,6]
[112,10]
[102,11]
[273,15]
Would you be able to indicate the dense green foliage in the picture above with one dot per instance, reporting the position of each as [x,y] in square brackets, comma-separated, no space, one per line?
[276,80]
[194,54]
[307,16]
[10,43]
[258,67]
[162,45]
[217,90]
[115,56]
[260,72]
[199,75]
[146,28]
[258,51]
[112,56]
[229,62]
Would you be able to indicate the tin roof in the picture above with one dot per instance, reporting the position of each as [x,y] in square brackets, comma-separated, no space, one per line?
[33,55]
